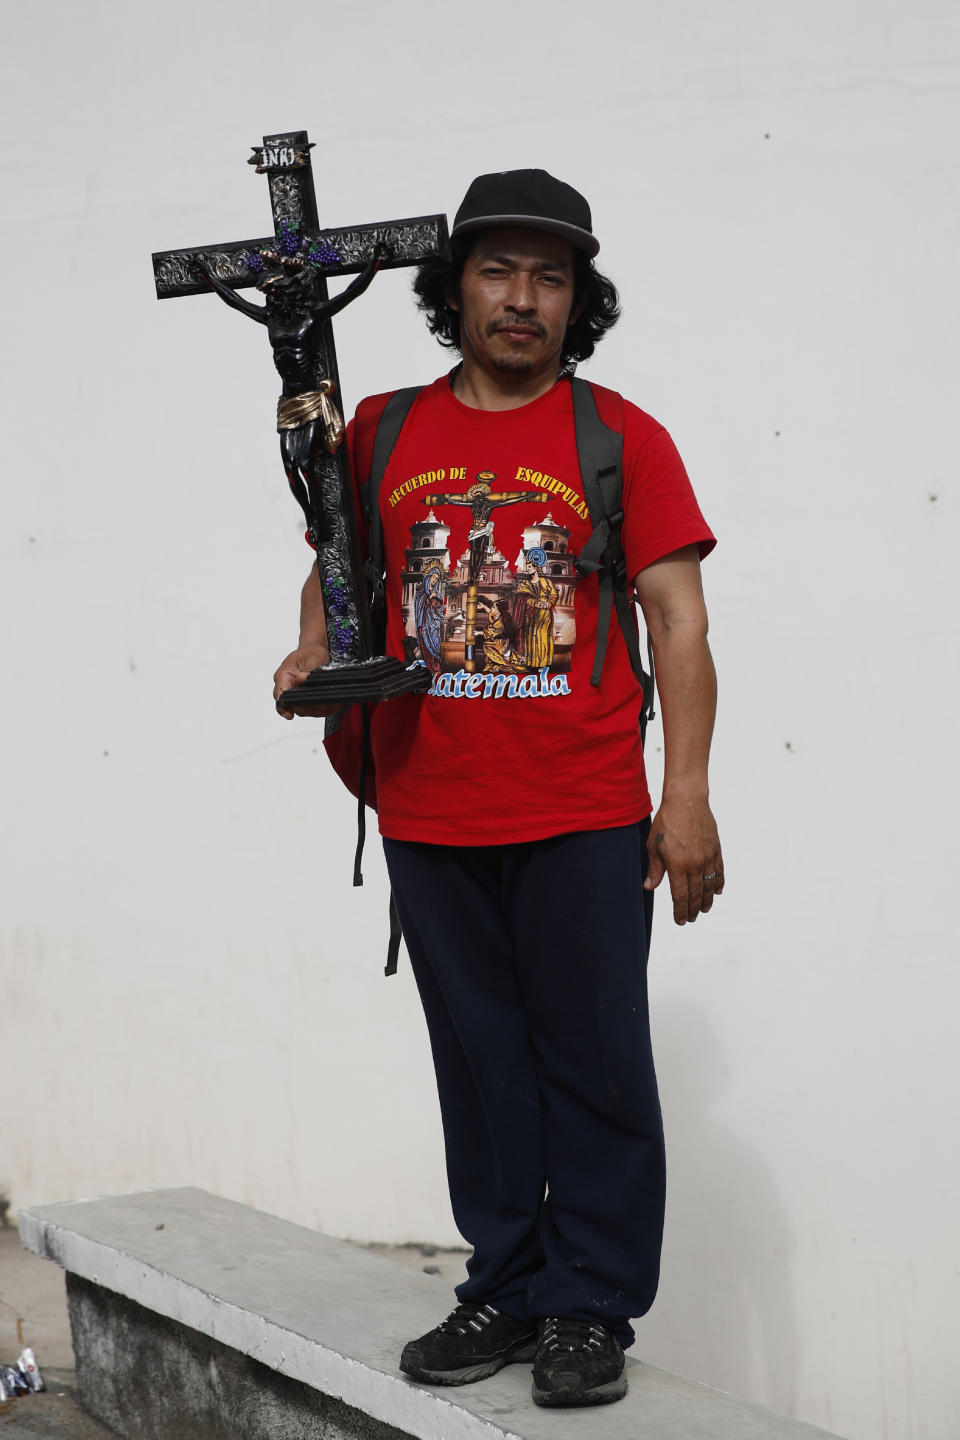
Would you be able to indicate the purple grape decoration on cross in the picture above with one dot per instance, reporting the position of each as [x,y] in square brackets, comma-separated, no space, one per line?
[322,253]
[336,596]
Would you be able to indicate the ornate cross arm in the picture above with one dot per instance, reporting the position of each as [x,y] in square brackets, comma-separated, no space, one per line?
[410,241]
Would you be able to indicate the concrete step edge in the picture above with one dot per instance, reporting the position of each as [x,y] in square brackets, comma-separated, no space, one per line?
[663,1405]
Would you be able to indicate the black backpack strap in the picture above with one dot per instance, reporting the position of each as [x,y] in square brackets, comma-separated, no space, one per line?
[600,452]
[362,794]
[389,426]
[396,935]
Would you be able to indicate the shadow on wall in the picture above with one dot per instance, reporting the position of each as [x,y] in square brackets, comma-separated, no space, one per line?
[725,1312]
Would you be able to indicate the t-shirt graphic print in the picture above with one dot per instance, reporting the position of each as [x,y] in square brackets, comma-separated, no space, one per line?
[503,608]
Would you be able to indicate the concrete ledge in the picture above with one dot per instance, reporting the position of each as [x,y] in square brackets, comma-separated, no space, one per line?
[308,1309]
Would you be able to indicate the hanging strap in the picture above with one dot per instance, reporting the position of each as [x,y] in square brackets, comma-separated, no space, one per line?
[600,453]
[396,935]
[362,793]
[390,424]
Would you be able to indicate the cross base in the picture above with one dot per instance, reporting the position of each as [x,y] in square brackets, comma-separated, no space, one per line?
[381,678]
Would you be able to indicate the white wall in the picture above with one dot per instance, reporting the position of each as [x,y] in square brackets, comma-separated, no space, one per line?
[191,990]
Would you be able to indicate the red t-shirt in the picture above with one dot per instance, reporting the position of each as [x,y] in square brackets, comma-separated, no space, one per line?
[483,516]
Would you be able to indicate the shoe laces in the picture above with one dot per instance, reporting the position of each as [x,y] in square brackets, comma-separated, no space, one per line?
[572,1335]
[468,1317]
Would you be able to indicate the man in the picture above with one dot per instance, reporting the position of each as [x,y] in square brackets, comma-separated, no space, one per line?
[517,829]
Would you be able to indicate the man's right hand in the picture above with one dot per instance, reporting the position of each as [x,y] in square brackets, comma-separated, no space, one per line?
[292,672]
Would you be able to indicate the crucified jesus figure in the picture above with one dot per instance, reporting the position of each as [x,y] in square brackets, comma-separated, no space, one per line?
[294,315]
[483,504]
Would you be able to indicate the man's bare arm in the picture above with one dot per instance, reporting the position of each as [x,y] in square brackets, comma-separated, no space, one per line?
[313,649]
[684,842]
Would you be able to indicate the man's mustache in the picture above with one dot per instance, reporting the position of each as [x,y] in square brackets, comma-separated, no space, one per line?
[534,327]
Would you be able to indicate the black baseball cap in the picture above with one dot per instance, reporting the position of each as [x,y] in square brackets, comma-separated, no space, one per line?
[531,198]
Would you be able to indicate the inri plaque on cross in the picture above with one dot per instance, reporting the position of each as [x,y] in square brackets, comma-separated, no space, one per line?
[290,268]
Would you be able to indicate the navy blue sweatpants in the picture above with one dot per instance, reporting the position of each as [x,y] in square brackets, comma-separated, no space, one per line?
[531,964]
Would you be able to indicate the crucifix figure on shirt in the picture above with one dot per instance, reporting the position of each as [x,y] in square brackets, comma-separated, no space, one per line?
[483,503]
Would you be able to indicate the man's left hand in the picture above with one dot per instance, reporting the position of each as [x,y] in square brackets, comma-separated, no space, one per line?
[684,845]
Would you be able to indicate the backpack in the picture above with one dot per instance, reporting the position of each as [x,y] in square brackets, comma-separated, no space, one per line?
[600,454]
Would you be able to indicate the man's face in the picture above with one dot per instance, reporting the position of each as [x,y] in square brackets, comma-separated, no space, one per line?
[516,301]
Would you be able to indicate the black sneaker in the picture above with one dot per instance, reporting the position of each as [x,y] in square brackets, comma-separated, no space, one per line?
[473,1342]
[577,1363]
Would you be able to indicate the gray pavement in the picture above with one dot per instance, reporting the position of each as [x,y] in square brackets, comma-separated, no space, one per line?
[33,1311]
[52,1415]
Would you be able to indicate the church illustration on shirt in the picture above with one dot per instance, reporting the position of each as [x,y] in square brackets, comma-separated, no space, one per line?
[525,612]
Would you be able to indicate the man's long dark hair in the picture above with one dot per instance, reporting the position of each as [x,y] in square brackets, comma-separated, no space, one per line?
[436,279]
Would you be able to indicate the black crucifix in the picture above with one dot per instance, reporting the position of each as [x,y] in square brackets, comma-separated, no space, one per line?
[290,270]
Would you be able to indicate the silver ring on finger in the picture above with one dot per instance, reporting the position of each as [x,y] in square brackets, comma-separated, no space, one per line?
[710,877]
